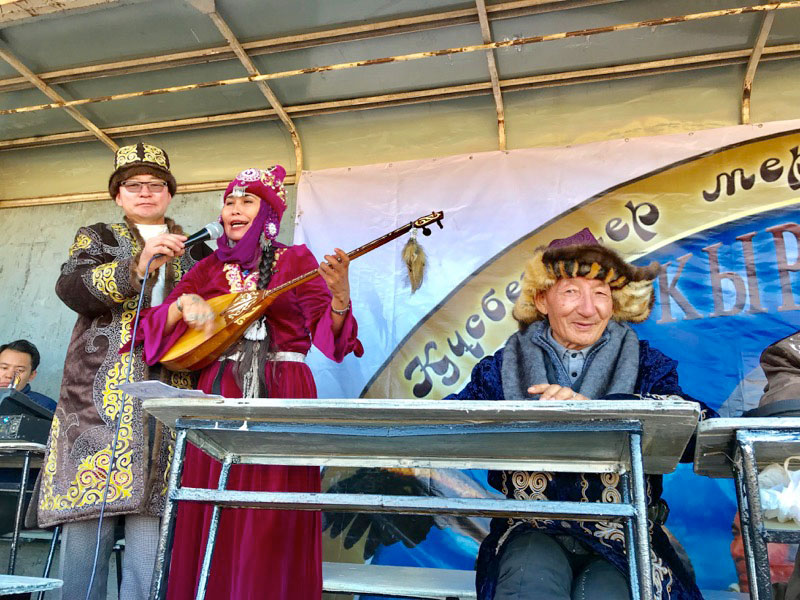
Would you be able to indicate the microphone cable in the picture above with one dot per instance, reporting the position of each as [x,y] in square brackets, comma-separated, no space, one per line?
[118,427]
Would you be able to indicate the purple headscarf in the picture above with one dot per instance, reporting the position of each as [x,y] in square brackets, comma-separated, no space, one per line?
[267,185]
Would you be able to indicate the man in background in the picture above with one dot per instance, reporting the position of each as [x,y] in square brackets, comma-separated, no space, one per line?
[18,363]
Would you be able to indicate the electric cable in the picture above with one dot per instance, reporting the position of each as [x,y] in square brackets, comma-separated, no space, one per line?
[117,428]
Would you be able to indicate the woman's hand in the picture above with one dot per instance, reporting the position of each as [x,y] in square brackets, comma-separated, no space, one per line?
[553,391]
[196,312]
[334,270]
[168,244]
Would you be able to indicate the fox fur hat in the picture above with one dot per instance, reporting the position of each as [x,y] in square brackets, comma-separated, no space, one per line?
[581,255]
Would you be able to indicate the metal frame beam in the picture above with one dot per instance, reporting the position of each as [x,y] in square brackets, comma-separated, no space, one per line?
[208,7]
[17,64]
[752,64]
[486,33]
[505,10]
[648,23]
[614,72]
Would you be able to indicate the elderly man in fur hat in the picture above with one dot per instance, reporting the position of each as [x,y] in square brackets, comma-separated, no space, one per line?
[575,343]
[100,281]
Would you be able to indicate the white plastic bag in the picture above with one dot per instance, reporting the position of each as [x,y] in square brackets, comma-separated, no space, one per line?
[780,491]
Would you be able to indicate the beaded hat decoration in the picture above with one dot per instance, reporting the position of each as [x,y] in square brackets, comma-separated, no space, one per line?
[267,184]
[581,255]
[140,159]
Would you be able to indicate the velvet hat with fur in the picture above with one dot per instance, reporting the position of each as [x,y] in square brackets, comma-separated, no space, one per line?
[581,255]
[140,159]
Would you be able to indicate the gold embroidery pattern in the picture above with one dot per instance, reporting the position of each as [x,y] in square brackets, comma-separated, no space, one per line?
[234,276]
[128,154]
[610,492]
[126,321]
[82,242]
[156,155]
[661,572]
[90,478]
[268,179]
[122,231]
[530,485]
[48,497]
[103,280]
[609,531]
[278,253]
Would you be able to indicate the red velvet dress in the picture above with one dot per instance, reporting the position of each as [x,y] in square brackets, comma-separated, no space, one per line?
[259,553]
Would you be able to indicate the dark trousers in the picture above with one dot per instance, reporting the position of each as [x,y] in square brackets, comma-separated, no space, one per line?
[536,566]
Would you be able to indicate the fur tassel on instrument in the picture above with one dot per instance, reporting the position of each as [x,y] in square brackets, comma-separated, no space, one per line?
[414,257]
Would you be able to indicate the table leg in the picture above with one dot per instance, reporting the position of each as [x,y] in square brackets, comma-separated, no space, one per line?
[760,579]
[23,485]
[212,530]
[630,548]
[158,588]
[641,532]
[744,522]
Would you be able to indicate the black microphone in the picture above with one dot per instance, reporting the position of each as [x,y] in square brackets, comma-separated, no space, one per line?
[212,231]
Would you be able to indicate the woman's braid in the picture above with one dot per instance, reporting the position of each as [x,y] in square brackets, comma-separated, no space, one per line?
[265,265]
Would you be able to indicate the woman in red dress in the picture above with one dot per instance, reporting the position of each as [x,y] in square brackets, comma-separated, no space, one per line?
[259,553]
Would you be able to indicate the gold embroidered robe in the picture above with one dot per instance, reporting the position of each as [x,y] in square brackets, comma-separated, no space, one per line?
[98,282]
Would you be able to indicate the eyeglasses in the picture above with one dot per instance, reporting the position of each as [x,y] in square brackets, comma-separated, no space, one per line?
[135,187]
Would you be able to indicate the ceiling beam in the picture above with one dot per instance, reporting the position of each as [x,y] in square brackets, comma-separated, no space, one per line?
[752,64]
[365,31]
[12,60]
[208,7]
[486,33]
[648,23]
[614,72]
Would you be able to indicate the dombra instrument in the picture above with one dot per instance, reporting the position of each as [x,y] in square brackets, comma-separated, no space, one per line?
[235,312]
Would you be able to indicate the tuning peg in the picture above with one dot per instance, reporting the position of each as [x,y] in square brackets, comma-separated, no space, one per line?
[426,231]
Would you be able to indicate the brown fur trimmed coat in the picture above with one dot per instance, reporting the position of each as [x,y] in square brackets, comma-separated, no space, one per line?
[98,281]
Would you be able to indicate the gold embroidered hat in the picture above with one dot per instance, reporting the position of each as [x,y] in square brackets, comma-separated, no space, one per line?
[581,255]
[141,159]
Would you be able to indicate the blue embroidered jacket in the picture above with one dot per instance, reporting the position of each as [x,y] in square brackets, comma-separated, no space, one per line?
[658,375]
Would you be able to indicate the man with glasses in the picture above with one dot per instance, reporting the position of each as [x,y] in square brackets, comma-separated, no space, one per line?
[18,363]
[101,281]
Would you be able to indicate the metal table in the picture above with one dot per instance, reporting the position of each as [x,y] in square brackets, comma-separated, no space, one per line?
[14,584]
[738,448]
[626,437]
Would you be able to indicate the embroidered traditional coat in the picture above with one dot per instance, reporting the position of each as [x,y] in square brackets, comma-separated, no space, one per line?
[658,374]
[99,282]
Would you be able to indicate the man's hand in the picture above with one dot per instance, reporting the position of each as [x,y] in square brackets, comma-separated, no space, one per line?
[168,244]
[553,391]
